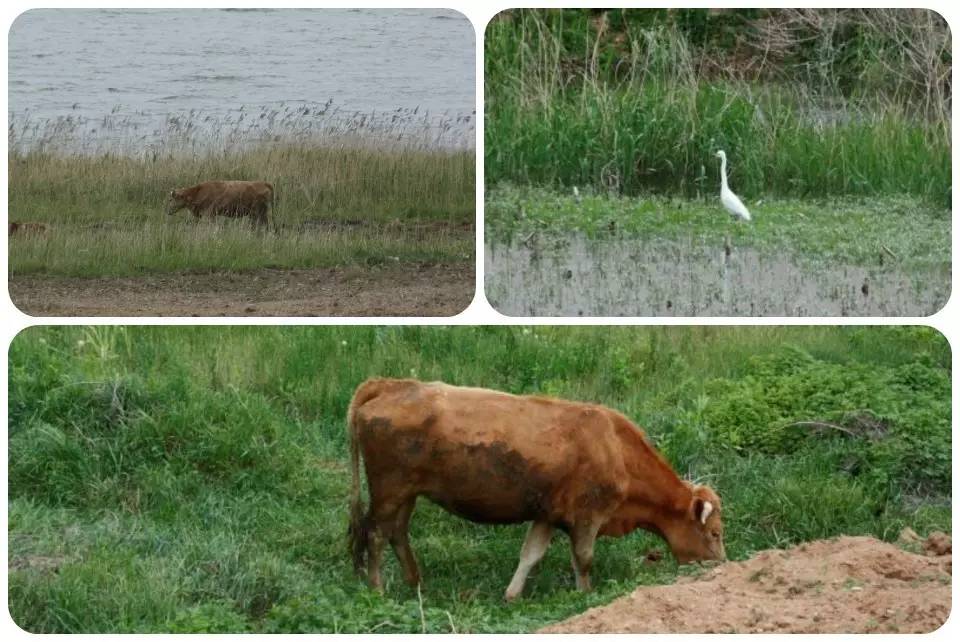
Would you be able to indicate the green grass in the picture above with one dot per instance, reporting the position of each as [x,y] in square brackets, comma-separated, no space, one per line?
[412,201]
[871,231]
[180,246]
[638,102]
[195,479]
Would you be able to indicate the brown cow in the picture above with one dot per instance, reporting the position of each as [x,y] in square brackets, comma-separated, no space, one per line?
[233,199]
[497,458]
[16,227]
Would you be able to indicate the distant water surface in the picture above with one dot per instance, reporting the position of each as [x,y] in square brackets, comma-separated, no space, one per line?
[108,77]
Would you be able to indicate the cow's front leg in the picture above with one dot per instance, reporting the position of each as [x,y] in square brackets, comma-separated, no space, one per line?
[260,217]
[534,548]
[582,539]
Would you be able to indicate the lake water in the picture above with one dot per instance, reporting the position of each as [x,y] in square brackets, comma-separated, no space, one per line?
[106,77]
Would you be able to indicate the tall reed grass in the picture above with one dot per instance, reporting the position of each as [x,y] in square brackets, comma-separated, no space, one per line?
[638,107]
[197,131]
[105,208]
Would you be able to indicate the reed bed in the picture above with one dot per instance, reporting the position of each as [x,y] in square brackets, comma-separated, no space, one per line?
[805,102]
[103,203]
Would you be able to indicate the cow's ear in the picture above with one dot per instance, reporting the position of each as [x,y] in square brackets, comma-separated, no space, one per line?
[701,509]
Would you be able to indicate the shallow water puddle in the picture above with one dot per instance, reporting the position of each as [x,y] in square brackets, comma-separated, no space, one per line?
[576,276]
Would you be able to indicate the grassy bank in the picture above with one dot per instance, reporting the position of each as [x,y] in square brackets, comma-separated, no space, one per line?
[805,103]
[105,211]
[893,232]
[195,479]
[177,246]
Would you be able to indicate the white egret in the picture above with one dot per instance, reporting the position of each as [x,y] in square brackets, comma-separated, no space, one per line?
[728,198]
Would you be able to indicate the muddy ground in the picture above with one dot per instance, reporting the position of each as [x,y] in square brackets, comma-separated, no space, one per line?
[844,585]
[401,290]
[575,276]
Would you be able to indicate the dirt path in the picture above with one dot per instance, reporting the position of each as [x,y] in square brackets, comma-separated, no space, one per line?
[846,585]
[407,290]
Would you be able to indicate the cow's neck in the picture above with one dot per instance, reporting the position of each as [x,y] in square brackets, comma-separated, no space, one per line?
[653,507]
[657,499]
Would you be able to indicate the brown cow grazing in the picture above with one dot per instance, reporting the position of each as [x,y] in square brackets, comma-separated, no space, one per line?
[233,199]
[497,458]
[16,227]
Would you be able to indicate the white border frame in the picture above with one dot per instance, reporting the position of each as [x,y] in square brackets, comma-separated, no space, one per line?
[479,312]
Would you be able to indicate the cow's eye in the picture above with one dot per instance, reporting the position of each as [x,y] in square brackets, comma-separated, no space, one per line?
[715,534]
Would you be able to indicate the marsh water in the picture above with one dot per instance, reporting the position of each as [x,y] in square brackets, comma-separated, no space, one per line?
[103,77]
[576,276]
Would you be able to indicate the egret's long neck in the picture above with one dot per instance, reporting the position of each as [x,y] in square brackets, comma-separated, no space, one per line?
[723,172]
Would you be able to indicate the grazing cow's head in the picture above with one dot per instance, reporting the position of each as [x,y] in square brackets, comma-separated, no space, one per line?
[700,535]
[175,201]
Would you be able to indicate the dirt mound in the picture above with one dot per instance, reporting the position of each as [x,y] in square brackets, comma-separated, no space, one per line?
[845,585]
[938,544]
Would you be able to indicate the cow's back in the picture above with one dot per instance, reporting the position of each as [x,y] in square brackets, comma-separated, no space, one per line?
[226,197]
[491,456]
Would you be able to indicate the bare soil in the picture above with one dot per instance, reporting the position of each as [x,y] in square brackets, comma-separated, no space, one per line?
[845,585]
[400,290]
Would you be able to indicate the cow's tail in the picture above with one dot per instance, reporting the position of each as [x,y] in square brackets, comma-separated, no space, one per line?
[358,533]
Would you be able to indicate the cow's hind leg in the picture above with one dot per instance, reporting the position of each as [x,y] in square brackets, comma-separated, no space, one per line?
[399,537]
[390,518]
[534,548]
[582,539]
[375,559]
[375,541]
